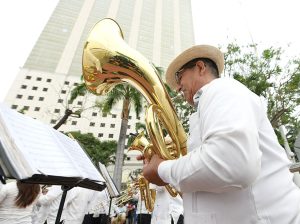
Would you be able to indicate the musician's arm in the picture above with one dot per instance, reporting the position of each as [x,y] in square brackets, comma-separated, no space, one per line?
[227,157]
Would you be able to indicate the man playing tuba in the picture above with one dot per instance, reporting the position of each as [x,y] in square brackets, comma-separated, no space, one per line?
[235,170]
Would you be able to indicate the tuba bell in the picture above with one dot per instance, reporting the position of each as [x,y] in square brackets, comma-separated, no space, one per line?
[108,61]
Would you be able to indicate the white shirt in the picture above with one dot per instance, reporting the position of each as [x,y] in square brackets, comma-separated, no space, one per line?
[166,207]
[9,212]
[50,202]
[76,205]
[235,171]
[99,203]
[39,213]
[140,208]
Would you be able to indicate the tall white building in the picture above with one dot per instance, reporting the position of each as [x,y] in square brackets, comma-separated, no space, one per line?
[158,29]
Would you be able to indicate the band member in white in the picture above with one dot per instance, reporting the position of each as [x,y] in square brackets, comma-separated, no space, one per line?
[167,209]
[235,170]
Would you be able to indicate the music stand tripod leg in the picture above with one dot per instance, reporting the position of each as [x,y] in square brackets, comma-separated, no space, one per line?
[65,189]
[108,217]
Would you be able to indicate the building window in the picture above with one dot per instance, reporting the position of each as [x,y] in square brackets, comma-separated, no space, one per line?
[30,97]
[19,96]
[94,114]
[34,88]
[104,115]
[45,89]
[130,117]
[74,122]
[41,98]
[114,116]
[28,77]
[67,82]
[56,110]
[128,158]
[53,121]
[38,79]
[79,103]
[60,100]
[110,135]
[102,125]
[48,80]
[63,91]
[37,109]
[112,125]
[26,108]
[23,86]
[14,106]
[75,84]
[92,124]
[100,135]
[128,126]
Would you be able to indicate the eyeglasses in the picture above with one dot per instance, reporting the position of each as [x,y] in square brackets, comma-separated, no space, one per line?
[179,73]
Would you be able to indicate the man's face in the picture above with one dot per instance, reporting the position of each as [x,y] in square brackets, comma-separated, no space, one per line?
[189,81]
[186,85]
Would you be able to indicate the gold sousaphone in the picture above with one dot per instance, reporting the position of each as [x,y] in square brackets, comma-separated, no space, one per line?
[108,61]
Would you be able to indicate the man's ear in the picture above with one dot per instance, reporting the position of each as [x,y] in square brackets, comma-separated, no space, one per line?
[201,66]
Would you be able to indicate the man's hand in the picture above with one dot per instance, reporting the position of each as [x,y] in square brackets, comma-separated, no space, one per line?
[150,169]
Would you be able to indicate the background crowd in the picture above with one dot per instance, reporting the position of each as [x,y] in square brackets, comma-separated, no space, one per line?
[22,203]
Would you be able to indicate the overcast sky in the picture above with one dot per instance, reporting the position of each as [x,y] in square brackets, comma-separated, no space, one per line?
[216,22]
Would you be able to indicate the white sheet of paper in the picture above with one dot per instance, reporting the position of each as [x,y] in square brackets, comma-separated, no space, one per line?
[46,150]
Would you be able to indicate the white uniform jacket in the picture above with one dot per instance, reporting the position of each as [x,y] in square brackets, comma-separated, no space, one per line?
[51,201]
[141,207]
[9,212]
[235,171]
[166,207]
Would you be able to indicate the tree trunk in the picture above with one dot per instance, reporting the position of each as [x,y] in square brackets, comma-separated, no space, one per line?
[117,176]
[276,117]
[63,119]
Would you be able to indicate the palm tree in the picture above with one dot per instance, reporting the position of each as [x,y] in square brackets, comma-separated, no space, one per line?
[129,96]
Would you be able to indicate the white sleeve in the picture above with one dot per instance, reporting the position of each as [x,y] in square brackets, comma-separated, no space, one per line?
[227,156]
[3,193]
[53,193]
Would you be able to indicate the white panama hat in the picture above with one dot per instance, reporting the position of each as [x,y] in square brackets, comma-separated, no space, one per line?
[198,51]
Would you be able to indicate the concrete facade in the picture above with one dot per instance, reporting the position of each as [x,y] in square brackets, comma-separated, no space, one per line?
[157,29]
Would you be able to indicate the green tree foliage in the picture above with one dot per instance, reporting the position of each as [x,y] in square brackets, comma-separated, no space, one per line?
[99,151]
[79,90]
[271,75]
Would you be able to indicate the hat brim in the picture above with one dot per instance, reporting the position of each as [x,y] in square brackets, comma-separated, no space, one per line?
[198,51]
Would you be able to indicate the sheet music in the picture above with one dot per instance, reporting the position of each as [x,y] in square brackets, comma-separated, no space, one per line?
[44,148]
[111,187]
[79,157]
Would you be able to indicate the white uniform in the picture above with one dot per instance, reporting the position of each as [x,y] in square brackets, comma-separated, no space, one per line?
[141,207]
[99,203]
[9,212]
[166,207]
[39,213]
[76,205]
[235,171]
[50,202]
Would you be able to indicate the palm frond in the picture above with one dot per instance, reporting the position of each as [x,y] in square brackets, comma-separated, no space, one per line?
[113,97]
[137,100]
[79,90]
